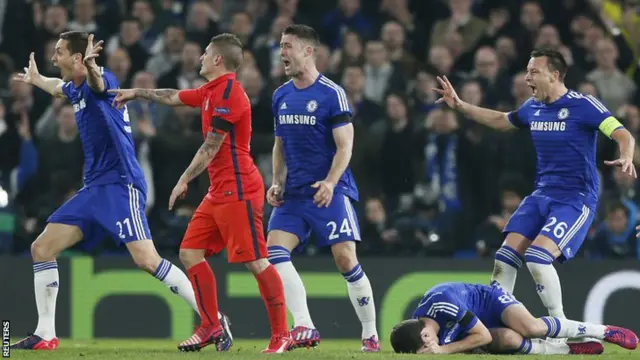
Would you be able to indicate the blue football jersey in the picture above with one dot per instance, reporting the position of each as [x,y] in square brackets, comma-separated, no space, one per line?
[564,135]
[304,120]
[448,304]
[105,133]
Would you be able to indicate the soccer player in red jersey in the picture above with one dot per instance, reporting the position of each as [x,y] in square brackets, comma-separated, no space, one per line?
[230,216]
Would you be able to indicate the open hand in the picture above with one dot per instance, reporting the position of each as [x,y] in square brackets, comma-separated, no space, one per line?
[179,191]
[30,73]
[448,93]
[626,164]
[92,51]
[324,195]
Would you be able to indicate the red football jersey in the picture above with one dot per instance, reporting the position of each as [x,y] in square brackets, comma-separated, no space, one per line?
[225,108]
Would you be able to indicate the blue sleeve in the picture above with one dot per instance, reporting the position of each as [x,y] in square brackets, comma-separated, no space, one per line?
[28,163]
[442,308]
[110,81]
[339,109]
[67,89]
[596,116]
[520,118]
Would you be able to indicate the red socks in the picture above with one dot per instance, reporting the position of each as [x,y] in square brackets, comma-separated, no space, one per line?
[272,292]
[204,286]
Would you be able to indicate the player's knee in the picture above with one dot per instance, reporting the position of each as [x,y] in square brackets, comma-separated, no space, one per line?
[344,255]
[148,263]
[257,266]
[533,329]
[41,251]
[191,257]
[278,254]
[537,255]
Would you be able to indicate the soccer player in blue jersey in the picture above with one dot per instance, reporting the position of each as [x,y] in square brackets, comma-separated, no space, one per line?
[313,188]
[458,317]
[553,221]
[113,199]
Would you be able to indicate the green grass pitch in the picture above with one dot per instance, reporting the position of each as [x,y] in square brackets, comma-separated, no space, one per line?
[138,349]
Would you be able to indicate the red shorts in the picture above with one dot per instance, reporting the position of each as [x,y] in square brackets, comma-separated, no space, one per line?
[236,226]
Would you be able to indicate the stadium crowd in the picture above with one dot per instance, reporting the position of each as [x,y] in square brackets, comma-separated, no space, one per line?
[431,182]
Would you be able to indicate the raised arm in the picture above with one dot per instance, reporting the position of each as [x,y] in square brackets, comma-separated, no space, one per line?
[94,72]
[627,148]
[32,76]
[495,119]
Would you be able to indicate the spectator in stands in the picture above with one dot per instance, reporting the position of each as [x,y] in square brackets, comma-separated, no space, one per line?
[267,48]
[84,14]
[186,72]
[119,63]
[394,39]
[462,21]
[348,15]
[242,26]
[173,42]
[489,235]
[129,39]
[143,11]
[350,53]
[55,23]
[380,74]
[423,97]
[615,87]
[615,236]
[201,23]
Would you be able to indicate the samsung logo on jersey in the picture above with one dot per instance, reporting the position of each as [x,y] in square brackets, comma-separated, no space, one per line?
[79,106]
[297,120]
[548,126]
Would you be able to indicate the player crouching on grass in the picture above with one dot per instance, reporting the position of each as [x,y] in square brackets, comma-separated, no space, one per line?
[230,216]
[458,318]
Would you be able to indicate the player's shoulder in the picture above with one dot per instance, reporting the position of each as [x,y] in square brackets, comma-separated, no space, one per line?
[585,102]
[283,89]
[329,86]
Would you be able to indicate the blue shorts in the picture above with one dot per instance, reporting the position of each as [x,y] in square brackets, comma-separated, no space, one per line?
[565,222]
[115,210]
[496,301]
[330,225]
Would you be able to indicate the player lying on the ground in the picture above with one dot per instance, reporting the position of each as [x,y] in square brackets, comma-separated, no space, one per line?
[553,221]
[230,216]
[313,189]
[456,318]
[113,199]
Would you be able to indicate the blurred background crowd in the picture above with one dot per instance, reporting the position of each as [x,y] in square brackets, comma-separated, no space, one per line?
[431,182]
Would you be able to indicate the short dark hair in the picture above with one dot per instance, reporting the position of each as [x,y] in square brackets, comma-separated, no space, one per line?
[555,60]
[230,47]
[76,41]
[303,32]
[616,205]
[406,337]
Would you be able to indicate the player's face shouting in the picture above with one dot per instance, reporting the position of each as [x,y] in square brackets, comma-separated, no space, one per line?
[539,77]
[292,53]
[62,59]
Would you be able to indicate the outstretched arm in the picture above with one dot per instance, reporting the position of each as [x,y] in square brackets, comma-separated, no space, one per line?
[627,148]
[494,119]
[164,96]
[32,76]
[51,85]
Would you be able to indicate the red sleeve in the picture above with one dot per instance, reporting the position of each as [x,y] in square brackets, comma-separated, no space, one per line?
[191,97]
[229,108]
